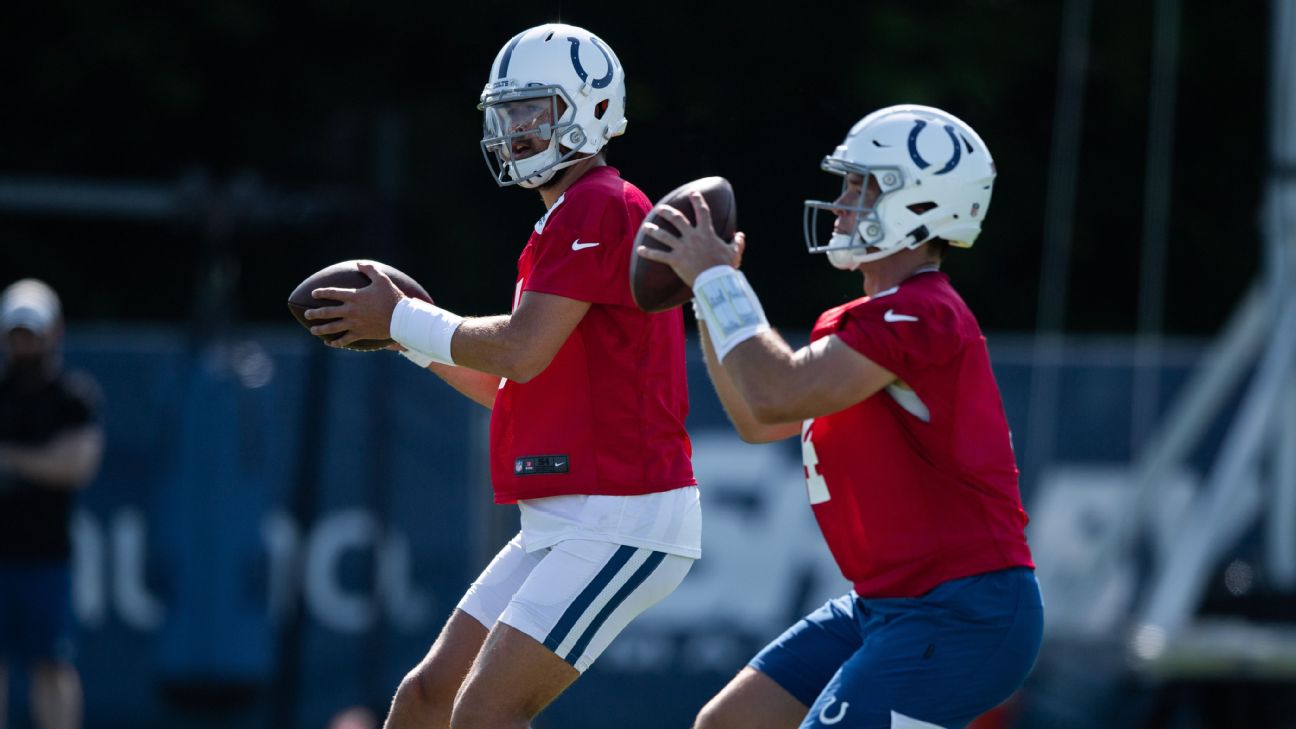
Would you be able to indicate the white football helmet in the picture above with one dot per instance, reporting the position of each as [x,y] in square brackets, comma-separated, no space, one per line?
[935,176]
[556,95]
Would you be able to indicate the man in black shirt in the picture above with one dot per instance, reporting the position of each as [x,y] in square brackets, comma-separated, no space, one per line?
[50,446]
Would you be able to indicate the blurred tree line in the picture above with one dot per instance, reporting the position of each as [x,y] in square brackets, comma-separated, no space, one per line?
[371,105]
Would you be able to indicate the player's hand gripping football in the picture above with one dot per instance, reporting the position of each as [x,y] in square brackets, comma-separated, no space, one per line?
[364,313]
[696,248]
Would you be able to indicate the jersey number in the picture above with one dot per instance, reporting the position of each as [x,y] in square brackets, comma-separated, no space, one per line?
[816,486]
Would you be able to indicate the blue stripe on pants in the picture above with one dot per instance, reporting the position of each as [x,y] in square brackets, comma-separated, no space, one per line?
[629,587]
[582,602]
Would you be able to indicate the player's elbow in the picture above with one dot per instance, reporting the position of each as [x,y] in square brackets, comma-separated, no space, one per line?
[771,409]
[516,374]
[519,377]
[755,432]
[524,367]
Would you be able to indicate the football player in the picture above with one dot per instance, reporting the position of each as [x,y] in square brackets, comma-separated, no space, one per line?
[908,459]
[587,394]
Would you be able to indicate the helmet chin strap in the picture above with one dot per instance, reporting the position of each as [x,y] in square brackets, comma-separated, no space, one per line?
[543,161]
[547,172]
[537,180]
[845,254]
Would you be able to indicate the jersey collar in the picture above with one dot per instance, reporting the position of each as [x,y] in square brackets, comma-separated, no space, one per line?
[921,269]
[601,170]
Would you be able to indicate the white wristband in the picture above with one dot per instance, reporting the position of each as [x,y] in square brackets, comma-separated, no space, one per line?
[425,328]
[725,301]
[417,357]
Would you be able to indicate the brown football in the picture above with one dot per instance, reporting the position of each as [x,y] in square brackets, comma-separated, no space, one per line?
[654,285]
[346,275]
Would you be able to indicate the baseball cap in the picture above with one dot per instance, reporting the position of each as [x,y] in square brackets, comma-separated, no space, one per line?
[29,304]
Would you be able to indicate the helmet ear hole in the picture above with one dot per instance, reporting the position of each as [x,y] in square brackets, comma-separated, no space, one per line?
[920,208]
[600,109]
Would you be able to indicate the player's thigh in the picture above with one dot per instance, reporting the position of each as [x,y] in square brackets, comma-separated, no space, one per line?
[440,674]
[580,596]
[512,680]
[493,590]
[752,700]
[806,656]
[584,592]
[938,661]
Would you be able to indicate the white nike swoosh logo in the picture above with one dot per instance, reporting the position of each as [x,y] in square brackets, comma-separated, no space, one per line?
[577,245]
[891,316]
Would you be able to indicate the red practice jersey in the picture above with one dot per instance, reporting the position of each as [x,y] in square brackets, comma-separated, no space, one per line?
[917,484]
[607,415]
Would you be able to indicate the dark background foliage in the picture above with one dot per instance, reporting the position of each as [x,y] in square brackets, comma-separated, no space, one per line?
[369,107]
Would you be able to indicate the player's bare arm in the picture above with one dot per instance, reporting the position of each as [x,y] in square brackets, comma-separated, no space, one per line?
[521,345]
[479,387]
[68,461]
[749,428]
[366,308]
[785,386]
[517,346]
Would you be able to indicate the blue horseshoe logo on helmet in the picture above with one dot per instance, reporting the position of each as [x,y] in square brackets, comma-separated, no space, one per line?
[924,164]
[597,83]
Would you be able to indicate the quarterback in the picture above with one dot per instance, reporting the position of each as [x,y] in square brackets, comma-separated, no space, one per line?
[588,399]
[908,459]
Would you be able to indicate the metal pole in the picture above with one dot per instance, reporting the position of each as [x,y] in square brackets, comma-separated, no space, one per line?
[1059,213]
[91,198]
[1157,182]
[1280,535]
[1280,200]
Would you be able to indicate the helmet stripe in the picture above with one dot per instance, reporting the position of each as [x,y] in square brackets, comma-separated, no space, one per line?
[508,54]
